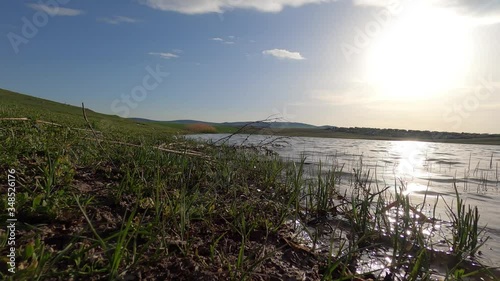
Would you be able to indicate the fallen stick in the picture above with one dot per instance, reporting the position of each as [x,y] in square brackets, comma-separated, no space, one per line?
[96,133]
[14,119]
[44,122]
[48,123]
[186,152]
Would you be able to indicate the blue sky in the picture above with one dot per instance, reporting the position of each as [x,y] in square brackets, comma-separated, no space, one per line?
[370,63]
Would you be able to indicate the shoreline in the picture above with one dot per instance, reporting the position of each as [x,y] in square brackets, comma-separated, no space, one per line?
[495,141]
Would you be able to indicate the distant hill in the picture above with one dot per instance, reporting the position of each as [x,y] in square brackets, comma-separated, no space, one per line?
[186,122]
[271,125]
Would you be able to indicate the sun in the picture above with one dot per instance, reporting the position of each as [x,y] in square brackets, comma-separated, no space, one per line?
[424,53]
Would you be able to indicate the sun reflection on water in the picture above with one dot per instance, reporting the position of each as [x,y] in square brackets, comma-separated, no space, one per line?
[413,188]
[412,157]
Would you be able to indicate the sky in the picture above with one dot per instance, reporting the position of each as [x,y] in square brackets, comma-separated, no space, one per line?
[423,65]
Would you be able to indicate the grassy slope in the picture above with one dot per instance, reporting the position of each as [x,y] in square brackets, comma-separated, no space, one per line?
[15,105]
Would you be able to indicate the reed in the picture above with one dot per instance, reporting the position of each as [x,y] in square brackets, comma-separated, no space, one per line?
[466,235]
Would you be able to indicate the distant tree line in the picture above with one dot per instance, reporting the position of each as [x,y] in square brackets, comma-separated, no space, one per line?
[399,133]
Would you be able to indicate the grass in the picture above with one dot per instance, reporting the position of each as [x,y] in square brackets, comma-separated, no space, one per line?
[466,233]
[140,201]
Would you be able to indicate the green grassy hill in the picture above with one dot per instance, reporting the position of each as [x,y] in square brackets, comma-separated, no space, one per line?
[16,105]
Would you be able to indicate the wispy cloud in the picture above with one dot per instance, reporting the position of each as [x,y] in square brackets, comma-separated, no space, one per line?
[117,20]
[55,11]
[283,54]
[166,56]
[484,12]
[478,12]
[224,41]
[378,3]
[219,6]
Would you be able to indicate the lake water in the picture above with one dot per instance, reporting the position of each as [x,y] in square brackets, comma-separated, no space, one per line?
[425,168]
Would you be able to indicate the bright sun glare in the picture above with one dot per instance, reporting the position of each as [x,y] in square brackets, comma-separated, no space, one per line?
[425,52]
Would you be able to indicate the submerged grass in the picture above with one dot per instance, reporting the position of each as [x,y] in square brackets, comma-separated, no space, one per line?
[466,234]
[120,208]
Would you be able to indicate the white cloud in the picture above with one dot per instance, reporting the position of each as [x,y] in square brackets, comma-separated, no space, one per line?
[483,12]
[478,12]
[377,3]
[117,20]
[483,18]
[166,56]
[55,11]
[283,54]
[219,6]
[224,41]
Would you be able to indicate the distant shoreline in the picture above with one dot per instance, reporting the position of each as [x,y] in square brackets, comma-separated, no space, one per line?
[322,133]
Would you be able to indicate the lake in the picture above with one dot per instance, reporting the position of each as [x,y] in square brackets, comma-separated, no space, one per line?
[428,170]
